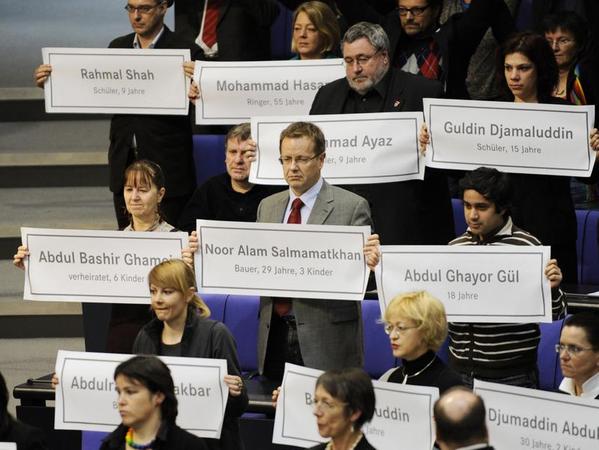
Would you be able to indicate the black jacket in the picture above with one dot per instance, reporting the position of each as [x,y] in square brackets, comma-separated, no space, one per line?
[458,38]
[25,436]
[243,29]
[166,140]
[168,438]
[204,338]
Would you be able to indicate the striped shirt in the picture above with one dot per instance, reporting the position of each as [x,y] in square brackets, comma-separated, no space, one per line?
[498,350]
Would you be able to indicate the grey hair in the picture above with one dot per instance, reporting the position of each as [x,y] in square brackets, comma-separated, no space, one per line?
[373,32]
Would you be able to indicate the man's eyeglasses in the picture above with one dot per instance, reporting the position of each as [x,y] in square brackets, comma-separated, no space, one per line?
[416,11]
[361,60]
[571,350]
[300,160]
[142,9]
[559,42]
[400,329]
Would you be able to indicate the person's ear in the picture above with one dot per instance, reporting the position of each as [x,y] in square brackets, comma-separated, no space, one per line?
[355,415]
[161,193]
[159,398]
[190,293]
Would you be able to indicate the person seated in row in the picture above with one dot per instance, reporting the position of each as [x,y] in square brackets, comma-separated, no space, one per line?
[315,31]
[578,350]
[417,328]
[11,430]
[143,194]
[497,352]
[343,402]
[148,409]
[230,195]
[182,328]
[459,416]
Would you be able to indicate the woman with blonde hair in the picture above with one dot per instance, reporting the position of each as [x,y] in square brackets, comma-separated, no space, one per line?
[417,327]
[182,328]
[315,31]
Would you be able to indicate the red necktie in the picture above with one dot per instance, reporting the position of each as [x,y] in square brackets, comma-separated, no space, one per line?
[282,306]
[210,22]
[295,216]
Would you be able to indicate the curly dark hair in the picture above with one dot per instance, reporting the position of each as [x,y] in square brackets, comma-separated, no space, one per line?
[535,48]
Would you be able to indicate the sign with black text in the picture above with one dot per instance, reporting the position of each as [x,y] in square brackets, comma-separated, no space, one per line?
[232,92]
[479,283]
[520,418]
[282,260]
[402,417]
[94,266]
[116,81]
[382,147]
[530,138]
[88,379]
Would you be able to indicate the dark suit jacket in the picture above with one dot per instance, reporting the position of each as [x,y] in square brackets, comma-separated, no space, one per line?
[458,38]
[329,331]
[166,140]
[409,212]
[243,30]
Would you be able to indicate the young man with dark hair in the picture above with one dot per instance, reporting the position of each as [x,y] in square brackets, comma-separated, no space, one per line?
[498,352]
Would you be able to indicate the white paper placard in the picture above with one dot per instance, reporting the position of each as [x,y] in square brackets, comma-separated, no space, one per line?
[528,138]
[116,81]
[402,419]
[8,446]
[94,266]
[232,92]
[282,260]
[295,423]
[88,379]
[475,283]
[360,148]
[521,418]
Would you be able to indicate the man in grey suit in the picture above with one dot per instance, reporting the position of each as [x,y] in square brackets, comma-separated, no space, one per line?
[322,334]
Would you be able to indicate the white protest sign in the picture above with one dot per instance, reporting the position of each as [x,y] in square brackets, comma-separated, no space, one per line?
[521,418]
[402,418]
[94,266]
[88,379]
[295,423]
[116,81]
[528,138]
[232,92]
[475,283]
[381,148]
[8,446]
[282,260]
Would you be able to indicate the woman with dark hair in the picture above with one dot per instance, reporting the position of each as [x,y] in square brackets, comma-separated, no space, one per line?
[182,328]
[143,192]
[343,402]
[568,35]
[528,73]
[576,52]
[578,351]
[315,31]
[11,430]
[148,409]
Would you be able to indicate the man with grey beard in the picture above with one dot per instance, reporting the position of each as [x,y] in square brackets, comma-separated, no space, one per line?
[410,212]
